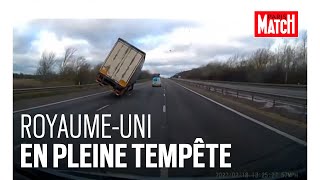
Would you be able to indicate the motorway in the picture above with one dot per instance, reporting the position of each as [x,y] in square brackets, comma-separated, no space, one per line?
[276,90]
[178,116]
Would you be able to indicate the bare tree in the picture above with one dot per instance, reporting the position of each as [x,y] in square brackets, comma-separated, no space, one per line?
[78,62]
[81,69]
[46,65]
[96,68]
[67,59]
[286,64]
[84,74]
[261,58]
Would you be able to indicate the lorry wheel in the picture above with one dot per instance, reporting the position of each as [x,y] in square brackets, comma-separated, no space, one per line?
[130,88]
[119,93]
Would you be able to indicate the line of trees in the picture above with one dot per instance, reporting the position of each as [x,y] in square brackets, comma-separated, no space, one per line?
[286,64]
[69,67]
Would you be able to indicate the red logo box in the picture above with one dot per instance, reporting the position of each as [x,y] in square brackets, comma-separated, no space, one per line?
[276,23]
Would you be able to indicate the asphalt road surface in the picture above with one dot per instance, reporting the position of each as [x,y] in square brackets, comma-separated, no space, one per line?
[177,116]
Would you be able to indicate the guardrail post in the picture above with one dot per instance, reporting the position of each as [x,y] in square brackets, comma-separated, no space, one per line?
[247,93]
[274,103]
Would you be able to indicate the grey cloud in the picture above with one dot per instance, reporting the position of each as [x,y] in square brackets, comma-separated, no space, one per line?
[24,64]
[168,70]
[214,50]
[249,44]
[172,67]
[181,48]
[208,53]
[104,32]
[101,35]
[21,42]
[176,62]
[253,43]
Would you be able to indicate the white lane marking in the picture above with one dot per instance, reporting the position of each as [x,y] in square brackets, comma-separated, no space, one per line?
[297,140]
[164,94]
[59,102]
[115,128]
[102,107]
[164,172]
[164,108]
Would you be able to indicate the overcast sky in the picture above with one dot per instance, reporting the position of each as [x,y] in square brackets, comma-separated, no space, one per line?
[171,46]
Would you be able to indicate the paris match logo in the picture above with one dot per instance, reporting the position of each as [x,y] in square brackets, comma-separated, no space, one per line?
[276,23]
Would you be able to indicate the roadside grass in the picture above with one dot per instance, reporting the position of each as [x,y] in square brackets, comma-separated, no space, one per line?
[46,93]
[34,83]
[249,107]
[31,83]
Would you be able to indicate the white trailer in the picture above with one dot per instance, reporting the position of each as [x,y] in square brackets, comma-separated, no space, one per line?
[121,67]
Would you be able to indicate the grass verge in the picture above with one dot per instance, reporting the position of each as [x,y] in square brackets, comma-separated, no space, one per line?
[249,107]
[47,93]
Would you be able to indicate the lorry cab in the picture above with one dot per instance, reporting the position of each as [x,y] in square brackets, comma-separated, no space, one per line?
[156,82]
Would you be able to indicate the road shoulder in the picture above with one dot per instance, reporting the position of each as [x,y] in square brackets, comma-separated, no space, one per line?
[290,126]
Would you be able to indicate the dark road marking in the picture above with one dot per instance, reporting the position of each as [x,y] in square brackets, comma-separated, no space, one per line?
[297,140]
[59,102]
[17,146]
[164,172]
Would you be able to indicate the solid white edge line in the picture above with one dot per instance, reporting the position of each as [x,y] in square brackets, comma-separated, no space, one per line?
[102,107]
[297,140]
[59,102]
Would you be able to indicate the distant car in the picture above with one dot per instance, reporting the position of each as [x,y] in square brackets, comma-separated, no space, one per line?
[156,82]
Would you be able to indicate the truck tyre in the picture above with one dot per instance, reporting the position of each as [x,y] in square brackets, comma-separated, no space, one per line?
[130,88]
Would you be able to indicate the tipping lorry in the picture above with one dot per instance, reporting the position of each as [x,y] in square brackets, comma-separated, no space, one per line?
[122,67]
